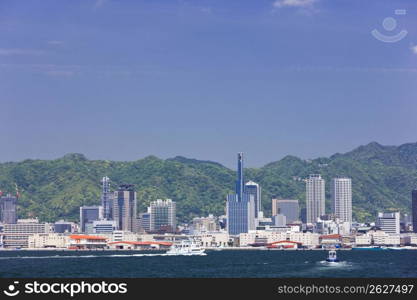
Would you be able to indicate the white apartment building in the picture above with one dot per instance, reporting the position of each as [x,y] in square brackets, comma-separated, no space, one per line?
[341,190]
[315,198]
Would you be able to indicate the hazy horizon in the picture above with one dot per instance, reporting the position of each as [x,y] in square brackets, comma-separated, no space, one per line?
[204,159]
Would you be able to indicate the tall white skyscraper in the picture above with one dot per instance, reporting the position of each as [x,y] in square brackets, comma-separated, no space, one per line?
[342,199]
[315,197]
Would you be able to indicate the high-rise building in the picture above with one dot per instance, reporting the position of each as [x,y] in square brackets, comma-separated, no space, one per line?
[239,181]
[124,208]
[145,221]
[414,210]
[287,207]
[240,214]
[315,197]
[341,191]
[254,189]
[240,207]
[106,198]
[163,215]
[89,214]
[8,209]
[389,222]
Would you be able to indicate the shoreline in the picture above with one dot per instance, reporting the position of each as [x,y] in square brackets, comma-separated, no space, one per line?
[212,249]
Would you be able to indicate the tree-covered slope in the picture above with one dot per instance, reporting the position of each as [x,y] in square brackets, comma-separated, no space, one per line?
[382,178]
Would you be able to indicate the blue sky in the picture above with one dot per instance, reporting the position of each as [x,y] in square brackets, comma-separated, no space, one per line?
[122,80]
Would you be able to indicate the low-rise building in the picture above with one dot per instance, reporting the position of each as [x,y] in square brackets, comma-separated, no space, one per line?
[48,240]
[215,239]
[104,226]
[363,240]
[86,242]
[17,235]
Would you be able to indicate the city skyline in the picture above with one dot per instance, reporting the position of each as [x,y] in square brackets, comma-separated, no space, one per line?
[180,69]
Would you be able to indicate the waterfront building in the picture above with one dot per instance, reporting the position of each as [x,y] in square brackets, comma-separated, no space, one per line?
[106,199]
[306,239]
[48,240]
[287,207]
[86,242]
[215,239]
[17,235]
[104,226]
[124,208]
[89,214]
[240,207]
[341,190]
[315,197]
[252,188]
[414,210]
[163,215]
[389,222]
[363,240]
[8,209]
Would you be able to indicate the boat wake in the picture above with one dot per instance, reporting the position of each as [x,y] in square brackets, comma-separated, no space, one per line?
[339,264]
[96,256]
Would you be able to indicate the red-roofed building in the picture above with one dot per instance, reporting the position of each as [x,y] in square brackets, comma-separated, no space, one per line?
[129,245]
[330,239]
[290,245]
[83,241]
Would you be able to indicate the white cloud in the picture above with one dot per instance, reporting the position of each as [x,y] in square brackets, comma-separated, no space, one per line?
[414,49]
[294,3]
[4,51]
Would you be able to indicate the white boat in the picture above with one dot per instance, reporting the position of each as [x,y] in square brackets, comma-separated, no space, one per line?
[332,257]
[186,247]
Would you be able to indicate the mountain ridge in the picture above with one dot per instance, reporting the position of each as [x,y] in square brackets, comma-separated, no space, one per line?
[382,179]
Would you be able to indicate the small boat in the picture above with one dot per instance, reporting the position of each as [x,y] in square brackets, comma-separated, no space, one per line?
[332,257]
[186,247]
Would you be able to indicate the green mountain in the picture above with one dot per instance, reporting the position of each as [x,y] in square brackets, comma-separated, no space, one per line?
[382,179]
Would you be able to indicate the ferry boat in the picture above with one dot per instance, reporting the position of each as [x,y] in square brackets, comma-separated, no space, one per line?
[332,257]
[186,247]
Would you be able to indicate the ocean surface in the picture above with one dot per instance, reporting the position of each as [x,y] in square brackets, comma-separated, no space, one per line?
[228,263]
